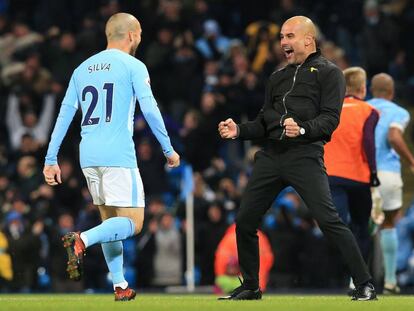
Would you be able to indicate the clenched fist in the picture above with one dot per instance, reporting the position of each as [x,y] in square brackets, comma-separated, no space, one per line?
[291,128]
[228,129]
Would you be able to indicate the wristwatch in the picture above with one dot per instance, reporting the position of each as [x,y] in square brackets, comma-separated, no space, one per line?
[302,131]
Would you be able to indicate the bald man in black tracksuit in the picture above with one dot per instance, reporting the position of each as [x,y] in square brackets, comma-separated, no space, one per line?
[301,110]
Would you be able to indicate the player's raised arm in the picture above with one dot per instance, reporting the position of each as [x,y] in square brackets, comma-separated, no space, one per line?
[149,108]
[67,111]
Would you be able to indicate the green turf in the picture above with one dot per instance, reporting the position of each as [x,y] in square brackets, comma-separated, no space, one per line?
[199,303]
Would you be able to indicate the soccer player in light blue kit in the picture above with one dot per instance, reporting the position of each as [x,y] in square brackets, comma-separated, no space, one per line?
[390,147]
[106,87]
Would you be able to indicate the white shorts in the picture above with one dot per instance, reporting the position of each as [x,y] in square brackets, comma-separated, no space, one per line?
[115,186]
[390,190]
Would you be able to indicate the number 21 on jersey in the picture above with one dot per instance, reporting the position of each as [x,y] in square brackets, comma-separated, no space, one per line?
[109,88]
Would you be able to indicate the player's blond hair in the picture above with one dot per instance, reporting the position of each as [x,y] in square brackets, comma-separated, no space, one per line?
[355,79]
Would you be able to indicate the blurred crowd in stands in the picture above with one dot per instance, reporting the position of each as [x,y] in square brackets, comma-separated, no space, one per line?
[208,60]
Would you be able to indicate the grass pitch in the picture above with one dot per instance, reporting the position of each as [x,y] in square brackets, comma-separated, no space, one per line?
[199,303]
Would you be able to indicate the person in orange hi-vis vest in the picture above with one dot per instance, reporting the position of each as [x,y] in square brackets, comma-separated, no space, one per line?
[350,159]
[226,262]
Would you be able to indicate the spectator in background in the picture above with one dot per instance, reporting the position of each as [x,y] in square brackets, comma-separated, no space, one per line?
[390,147]
[28,176]
[286,9]
[203,196]
[192,136]
[14,202]
[187,82]
[156,209]
[406,23]
[5,162]
[42,200]
[211,73]
[215,172]
[158,59]
[4,191]
[23,240]
[229,195]
[29,76]
[213,45]
[170,14]
[200,15]
[236,47]
[18,41]
[200,142]
[253,92]
[6,268]
[261,36]
[167,257]
[211,113]
[28,123]
[4,21]
[146,246]
[226,255]
[334,54]
[210,234]
[61,57]
[29,147]
[241,67]
[90,38]
[378,40]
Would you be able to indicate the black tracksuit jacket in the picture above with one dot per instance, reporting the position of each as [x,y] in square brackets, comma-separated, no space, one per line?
[311,93]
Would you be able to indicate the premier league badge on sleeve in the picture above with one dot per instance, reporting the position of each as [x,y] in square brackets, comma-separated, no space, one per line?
[148,81]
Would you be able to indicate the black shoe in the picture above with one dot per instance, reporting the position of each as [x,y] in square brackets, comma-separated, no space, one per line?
[365,292]
[249,294]
[233,294]
[242,293]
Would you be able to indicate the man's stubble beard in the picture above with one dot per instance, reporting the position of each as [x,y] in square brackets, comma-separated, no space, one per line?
[133,50]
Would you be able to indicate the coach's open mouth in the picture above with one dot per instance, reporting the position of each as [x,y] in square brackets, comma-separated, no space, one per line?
[288,51]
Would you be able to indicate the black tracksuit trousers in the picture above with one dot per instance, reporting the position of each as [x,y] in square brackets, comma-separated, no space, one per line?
[302,167]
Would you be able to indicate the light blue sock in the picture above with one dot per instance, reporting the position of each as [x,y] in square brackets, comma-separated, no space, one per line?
[389,245]
[115,260]
[110,230]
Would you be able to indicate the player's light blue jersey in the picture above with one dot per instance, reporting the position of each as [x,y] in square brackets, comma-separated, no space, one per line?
[106,87]
[391,115]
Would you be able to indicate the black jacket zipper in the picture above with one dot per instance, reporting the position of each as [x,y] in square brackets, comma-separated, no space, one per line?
[284,102]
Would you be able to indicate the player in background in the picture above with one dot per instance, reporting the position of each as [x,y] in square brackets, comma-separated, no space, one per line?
[390,147]
[350,160]
[106,87]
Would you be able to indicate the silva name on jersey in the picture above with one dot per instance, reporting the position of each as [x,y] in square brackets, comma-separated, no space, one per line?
[99,67]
